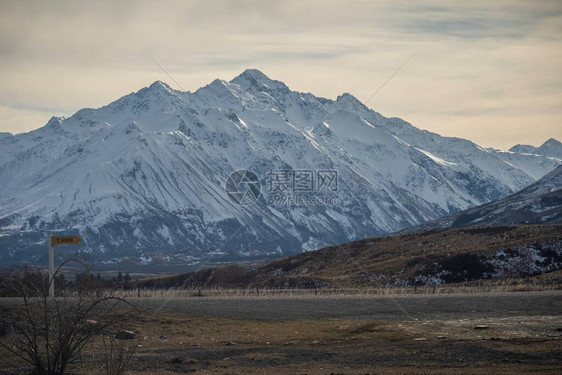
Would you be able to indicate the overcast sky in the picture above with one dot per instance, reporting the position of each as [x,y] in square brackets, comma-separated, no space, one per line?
[487,71]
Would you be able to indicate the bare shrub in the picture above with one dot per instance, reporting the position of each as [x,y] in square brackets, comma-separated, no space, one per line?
[50,333]
[117,355]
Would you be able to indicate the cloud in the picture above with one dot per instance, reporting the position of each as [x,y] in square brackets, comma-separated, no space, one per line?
[479,68]
[23,120]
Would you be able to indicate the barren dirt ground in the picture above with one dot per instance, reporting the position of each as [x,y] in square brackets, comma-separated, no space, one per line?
[521,335]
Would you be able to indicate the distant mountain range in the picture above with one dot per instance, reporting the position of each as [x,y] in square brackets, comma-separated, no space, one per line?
[552,148]
[539,203]
[146,174]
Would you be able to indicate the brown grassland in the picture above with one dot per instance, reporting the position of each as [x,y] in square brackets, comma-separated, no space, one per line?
[171,343]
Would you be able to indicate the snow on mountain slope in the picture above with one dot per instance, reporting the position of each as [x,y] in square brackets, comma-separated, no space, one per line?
[539,203]
[535,161]
[146,173]
[534,165]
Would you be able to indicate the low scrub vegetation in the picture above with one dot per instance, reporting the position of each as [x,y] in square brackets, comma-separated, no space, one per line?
[50,334]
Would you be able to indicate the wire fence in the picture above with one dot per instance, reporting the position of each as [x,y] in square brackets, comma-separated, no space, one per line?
[222,291]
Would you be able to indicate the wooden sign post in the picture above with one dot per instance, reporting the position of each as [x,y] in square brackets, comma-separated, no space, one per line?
[58,240]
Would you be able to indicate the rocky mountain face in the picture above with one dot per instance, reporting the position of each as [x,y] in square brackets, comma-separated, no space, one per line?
[147,174]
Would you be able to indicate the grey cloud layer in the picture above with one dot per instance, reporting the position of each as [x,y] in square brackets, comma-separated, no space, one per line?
[488,72]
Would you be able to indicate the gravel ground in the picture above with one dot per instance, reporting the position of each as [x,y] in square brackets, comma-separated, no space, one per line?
[401,307]
[504,334]
[451,306]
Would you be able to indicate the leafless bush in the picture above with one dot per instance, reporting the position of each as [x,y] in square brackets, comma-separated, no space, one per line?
[50,333]
[117,355]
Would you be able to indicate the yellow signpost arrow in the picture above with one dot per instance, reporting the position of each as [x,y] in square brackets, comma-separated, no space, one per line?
[65,240]
[58,240]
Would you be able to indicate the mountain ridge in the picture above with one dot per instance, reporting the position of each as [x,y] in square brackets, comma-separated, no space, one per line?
[538,203]
[551,147]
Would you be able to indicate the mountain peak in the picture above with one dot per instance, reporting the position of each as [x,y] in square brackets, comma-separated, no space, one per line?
[159,85]
[156,88]
[217,83]
[254,74]
[350,101]
[551,147]
[54,121]
[523,148]
[253,78]
[551,142]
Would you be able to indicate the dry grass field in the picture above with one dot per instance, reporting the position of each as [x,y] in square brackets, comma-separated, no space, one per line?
[551,281]
[179,342]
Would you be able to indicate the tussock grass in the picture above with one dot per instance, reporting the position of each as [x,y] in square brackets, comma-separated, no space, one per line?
[481,286]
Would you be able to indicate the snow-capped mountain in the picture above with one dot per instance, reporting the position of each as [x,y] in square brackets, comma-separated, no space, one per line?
[521,156]
[146,173]
[539,203]
[551,147]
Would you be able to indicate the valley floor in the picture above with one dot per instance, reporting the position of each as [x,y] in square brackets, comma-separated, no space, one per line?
[512,333]
[398,307]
